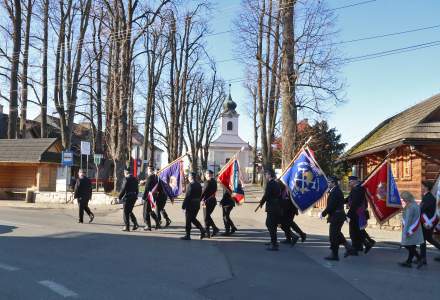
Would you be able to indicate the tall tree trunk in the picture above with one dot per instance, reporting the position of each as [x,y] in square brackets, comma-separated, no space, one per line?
[15,62]
[261,105]
[254,167]
[43,113]
[288,80]
[24,76]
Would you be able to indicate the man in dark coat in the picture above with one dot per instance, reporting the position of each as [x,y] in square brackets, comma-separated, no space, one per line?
[191,205]
[151,186]
[209,202]
[161,202]
[336,217]
[287,215]
[128,195]
[228,204]
[272,199]
[83,194]
[428,218]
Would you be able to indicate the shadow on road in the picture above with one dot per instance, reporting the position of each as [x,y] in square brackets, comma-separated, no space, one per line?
[6,229]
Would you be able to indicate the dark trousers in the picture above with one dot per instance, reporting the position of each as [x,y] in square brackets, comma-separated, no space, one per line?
[356,236]
[83,206]
[160,209]
[412,252]
[227,218]
[209,209]
[128,212]
[427,234]
[272,221]
[336,236]
[286,223]
[293,224]
[191,218]
[148,213]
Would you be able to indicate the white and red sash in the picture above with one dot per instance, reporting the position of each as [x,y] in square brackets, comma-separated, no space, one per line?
[413,228]
[151,197]
[429,223]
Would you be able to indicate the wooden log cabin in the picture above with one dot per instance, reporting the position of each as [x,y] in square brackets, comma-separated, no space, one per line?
[415,136]
[28,164]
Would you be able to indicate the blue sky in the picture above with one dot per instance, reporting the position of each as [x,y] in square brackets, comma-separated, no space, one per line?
[376,89]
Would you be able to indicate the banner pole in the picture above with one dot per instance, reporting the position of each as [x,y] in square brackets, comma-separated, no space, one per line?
[379,165]
[179,158]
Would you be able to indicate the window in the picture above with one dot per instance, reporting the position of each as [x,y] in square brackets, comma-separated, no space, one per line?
[406,167]
[395,168]
[229,126]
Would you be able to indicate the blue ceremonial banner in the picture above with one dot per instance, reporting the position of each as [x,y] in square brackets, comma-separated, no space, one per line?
[306,181]
[393,197]
[172,177]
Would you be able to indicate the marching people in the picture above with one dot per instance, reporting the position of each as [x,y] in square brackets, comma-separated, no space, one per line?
[228,204]
[288,213]
[191,205]
[272,199]
[150,187]
[128,196]
[209,202]
[83,194]
[160,207]
[428,218]
[412,234]
[335,214]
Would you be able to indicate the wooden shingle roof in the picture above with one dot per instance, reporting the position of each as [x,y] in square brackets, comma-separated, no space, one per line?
[418,124]
[28,150]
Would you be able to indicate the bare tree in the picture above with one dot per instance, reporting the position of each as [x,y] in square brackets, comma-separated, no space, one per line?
[44,68]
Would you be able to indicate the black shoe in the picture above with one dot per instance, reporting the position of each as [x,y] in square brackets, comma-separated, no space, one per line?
[215,231]
[202,235]
[135,227]
[80,222]
[158,227]
[126,229]
[186,238]
[147,228]
[421,262]
[294,241]
[351,252]
[286,241]
[369,246]
[208,233]
[168,222]
[234,229]
[303,237]
[332,258]
[405,264]
[273,248]
[92,216]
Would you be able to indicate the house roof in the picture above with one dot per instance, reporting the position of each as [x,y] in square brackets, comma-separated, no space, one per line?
[419,124]
[28,150]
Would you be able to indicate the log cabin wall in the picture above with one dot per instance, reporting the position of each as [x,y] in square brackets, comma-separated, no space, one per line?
[18,176]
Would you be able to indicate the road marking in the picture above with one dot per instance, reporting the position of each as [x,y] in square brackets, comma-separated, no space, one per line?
[58,288]
[8,267]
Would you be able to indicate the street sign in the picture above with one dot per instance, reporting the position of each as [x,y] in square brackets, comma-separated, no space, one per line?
[97,158]
[67,158]
[85,148]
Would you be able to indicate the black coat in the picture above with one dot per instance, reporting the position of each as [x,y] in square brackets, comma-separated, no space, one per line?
[227,200]
[272,197]
[335,206]
[149,186]
[356,199]
[83,189]
[130,188]
[192,195]
[428,205]
[209,189]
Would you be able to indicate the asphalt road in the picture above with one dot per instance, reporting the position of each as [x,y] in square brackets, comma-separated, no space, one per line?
[45,254]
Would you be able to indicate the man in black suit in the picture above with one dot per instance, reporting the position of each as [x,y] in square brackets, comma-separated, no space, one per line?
[191,205]
[335,214]
[210,202]
[428,218]
[83,194]
[151,186]
[272,199]
[129,193]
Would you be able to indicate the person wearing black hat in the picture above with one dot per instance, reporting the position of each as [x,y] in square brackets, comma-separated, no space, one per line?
[191,205]
[335,214]
[151,186]
[428,218]
[128,195]
[288,213]
[272,199]
[210,202]
[228,204]
[83,194]
[161,202]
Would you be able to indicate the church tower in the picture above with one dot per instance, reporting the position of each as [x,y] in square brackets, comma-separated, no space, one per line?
[229,117]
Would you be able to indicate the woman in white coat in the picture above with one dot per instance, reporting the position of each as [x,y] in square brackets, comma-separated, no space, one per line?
[412,234]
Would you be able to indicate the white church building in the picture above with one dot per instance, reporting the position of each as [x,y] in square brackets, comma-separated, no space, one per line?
[229,142]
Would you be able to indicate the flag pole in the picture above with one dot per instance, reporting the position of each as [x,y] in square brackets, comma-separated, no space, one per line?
[296,155]
[179,158]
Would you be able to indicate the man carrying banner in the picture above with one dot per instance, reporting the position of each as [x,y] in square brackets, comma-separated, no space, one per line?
[149,197]
[272,199]
[161,202]
[228,204]
[288,213]
[210,202]
[336,218]
[128,195]
[191,205]
[428,218]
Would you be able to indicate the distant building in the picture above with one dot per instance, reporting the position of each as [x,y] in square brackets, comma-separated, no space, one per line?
[229,142]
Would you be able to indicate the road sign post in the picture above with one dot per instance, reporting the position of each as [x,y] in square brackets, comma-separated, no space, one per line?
[97,159]
[67,161]
[85,150]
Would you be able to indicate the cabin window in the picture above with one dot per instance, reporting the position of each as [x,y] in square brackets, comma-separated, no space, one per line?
[395,168]
[229,126]
[406,166]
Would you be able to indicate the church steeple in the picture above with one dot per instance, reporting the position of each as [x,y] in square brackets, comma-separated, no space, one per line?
[229,105]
